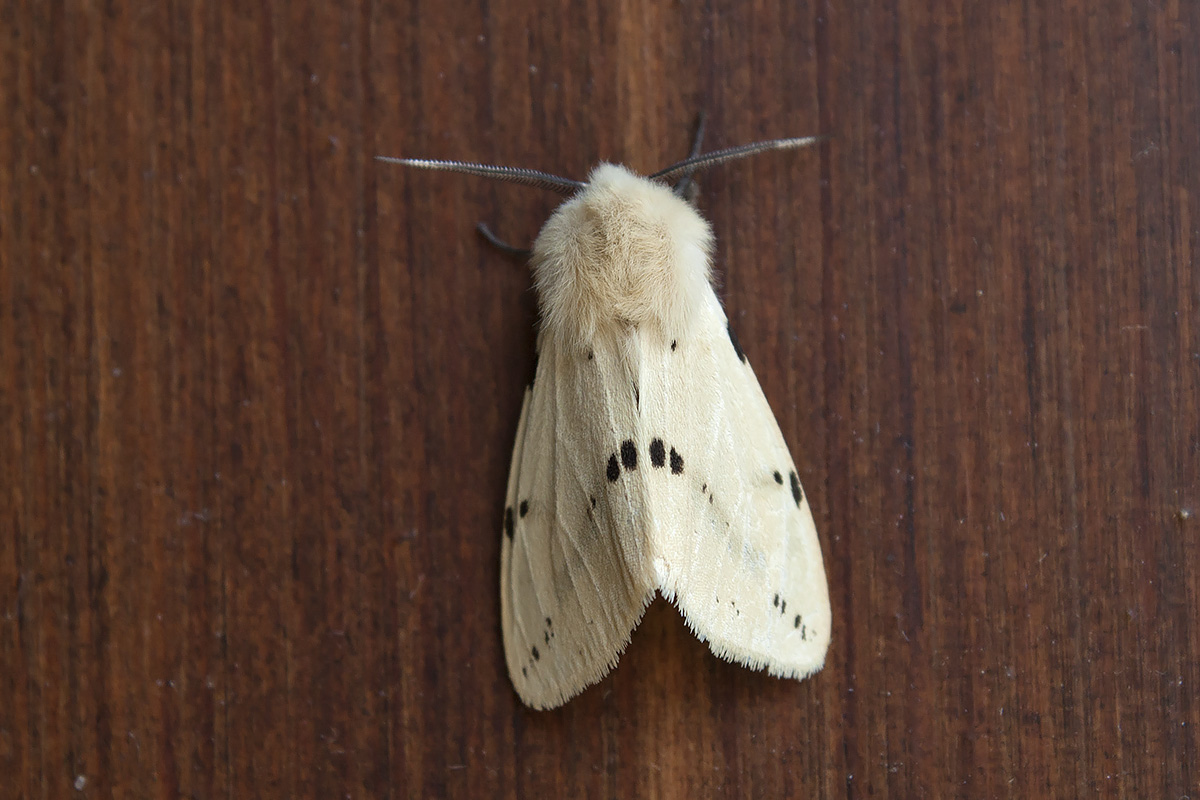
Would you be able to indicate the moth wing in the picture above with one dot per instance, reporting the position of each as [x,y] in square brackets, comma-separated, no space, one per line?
[574,580]
[735,544]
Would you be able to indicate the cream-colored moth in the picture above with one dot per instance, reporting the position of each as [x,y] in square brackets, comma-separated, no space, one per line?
[647,459]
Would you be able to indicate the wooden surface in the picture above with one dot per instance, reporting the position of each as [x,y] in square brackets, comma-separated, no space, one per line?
[258,393]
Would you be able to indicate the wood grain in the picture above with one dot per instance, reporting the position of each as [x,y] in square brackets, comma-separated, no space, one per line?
[257,393]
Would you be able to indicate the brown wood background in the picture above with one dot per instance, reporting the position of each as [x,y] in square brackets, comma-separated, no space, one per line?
[257,393]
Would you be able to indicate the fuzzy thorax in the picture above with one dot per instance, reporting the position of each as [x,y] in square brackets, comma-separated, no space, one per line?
[624,252]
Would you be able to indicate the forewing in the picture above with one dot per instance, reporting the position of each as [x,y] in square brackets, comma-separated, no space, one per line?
[734,541]
[574,579]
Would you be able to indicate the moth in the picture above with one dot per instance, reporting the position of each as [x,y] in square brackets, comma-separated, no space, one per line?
[647,460]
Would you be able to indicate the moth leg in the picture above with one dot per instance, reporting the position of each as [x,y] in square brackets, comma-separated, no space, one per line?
[687,188]
[500,244]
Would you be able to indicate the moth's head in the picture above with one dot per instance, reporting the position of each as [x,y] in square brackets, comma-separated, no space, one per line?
[622,224]
[625,250]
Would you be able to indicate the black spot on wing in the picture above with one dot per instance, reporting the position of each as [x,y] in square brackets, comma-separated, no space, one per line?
[614,469]
[658,453]
[628,454]
[797,495]
[737,348]
[777,601]
[591,355]
[676,463]
[637,397]
[674,344]
[778,478]
[536,655]
[508,522]
[796,624]
[524,508]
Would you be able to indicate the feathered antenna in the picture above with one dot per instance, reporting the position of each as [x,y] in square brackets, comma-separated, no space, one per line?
[694,163]
[528,177]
